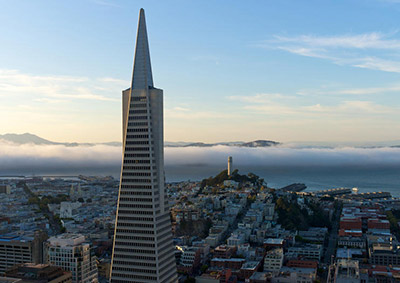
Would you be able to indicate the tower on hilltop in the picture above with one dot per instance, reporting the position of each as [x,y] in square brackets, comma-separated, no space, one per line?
[143,250]
[229,165]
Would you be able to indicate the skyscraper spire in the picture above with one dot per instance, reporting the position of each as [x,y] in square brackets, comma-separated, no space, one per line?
[142,77]
[143,250]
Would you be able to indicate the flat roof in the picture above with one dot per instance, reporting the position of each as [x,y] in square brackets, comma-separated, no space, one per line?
[303,270]
[250,265]
[273,241]
[14,237]
[228,259]
[345,253]
[67,239]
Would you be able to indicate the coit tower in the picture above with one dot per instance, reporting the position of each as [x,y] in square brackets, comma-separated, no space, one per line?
[229,165]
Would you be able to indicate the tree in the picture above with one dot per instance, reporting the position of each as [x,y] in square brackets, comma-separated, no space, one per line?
[204,268]
[81,200]
[293,217]
[33,200]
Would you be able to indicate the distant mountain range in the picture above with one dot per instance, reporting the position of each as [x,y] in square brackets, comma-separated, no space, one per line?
[28,138]
[257,143]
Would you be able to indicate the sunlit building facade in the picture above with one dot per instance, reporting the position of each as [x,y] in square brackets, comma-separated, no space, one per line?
[143,250]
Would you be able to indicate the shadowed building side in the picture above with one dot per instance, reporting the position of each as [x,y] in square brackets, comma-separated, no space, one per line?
[143,250]
[229,165]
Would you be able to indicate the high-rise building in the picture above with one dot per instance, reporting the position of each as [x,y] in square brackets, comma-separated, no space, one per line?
[71,252]
[17,249]
[143,250]
[5,189]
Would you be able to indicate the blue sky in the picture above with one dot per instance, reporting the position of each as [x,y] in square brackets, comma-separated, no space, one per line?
[230,70]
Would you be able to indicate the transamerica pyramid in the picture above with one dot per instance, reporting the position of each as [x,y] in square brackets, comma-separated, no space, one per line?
[143,250]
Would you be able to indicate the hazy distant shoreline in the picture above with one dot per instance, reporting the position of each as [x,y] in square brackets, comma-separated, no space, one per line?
[366,178]
[368,168]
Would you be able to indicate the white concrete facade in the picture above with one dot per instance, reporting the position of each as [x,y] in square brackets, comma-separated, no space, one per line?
[143,250]
[273,260]
[72,253]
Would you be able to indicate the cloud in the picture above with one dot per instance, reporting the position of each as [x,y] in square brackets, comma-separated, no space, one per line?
[39,159]
[49,100]
[187,113]
[261,97]
[375,50]
[278,104]
[349,107]
[340,91]
[378,64]
[373,40]
[14,82]
[103,159]
[114,80]
[178,108]
[371,90]
[282,156]
[309,52]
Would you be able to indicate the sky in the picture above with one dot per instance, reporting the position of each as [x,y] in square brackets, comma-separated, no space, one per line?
[287,71]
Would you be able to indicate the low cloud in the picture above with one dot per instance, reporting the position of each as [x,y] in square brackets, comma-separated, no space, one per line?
[57,159]
[283,156]
[106,160]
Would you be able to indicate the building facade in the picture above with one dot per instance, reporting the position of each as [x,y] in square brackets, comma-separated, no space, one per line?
[39,273]
[273,260]
[309,251]
[190,259]
[5,189]
[72,253]
[16,249]
[230,165]
[143,250]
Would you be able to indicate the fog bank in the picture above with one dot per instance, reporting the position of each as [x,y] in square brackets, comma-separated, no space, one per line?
[37,159]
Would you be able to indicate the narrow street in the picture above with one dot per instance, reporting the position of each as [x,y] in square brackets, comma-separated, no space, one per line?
[332,242]
[234,225]
[55,225]
[333,237]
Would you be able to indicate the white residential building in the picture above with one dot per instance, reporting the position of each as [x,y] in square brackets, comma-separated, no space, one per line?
[68,209]
[72,253]
[236,239]
[273,260]
[190,256]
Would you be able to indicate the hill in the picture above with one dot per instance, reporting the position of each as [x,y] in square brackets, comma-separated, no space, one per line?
[28,138]
[235,176]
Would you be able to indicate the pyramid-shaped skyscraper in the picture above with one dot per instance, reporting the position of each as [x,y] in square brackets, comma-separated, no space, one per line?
[143,250]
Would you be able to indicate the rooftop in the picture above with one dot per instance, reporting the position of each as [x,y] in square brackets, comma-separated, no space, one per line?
[302,270]
[250,265]
[14,237]
[67,239]
[273,241]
